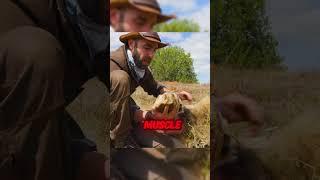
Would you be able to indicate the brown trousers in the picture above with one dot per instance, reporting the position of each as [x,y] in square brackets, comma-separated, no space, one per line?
[31,96]
[34,142]
[121,124]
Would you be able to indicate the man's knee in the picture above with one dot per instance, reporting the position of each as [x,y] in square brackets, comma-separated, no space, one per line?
[31,48]
[120,80]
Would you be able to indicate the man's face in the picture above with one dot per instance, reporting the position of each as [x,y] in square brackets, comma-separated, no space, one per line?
[130,19]
[142,51]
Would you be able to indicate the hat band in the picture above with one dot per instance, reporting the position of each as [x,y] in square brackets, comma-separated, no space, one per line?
[135,2]
[150,36]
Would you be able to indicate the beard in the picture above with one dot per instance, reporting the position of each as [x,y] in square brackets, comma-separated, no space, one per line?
[138,60]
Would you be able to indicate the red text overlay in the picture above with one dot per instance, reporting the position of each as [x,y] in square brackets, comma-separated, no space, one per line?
[162,124]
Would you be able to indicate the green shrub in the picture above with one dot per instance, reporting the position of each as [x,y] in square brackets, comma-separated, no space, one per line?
[173,64]
[178,26]
[242,35]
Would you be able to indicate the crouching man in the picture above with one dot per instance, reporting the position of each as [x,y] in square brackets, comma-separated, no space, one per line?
[128,70]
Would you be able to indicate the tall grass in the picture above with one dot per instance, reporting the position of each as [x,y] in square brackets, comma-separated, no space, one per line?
[289,143]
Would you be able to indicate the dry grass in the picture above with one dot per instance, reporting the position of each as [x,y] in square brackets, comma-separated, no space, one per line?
[284,95]
[197,134]
[294,151]
[89,110]
[289,143]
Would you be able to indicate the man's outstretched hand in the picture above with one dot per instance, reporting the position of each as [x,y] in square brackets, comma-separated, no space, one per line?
[183,95]
[238,108]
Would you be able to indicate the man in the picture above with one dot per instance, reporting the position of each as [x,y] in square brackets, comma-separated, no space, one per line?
[128,70]
[48,49]
[135,15]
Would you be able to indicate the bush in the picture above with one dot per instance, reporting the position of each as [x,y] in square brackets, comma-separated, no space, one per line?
[178,26]
[242,35]
[173,64]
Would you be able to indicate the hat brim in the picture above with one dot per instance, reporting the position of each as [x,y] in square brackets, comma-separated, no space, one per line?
[161,17]
[133,35]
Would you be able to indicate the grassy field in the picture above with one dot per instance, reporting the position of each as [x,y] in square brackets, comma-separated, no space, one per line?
[290,141]
[284,95]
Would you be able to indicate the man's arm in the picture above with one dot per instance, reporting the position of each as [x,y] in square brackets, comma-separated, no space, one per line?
[151,86]
[142,115]
[238,108]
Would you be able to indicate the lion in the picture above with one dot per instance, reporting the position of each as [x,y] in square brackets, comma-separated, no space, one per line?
[192,115]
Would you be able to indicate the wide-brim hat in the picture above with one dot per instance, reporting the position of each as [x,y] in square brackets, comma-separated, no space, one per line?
[150,6]
[150,36]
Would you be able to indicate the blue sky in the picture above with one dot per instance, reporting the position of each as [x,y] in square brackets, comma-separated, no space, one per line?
[197,10]
[197,44]
[296,26]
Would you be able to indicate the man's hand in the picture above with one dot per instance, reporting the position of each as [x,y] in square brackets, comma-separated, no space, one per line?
[237,108]
[141,115]
[183,95]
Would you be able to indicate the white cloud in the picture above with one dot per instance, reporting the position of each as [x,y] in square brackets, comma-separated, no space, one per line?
[198,45]
[202,17]
[190,9]
[170,36]
[114,40]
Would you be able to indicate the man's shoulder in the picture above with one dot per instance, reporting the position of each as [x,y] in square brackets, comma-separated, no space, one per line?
[118,57]
[118,53]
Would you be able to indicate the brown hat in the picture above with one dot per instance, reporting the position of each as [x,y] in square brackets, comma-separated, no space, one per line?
[150,6]
[150,36]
